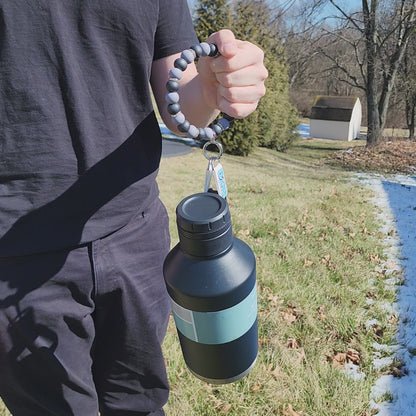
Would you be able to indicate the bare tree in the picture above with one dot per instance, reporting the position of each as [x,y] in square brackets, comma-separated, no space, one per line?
[408,86]
[386,33]
[375,38]
[403,26]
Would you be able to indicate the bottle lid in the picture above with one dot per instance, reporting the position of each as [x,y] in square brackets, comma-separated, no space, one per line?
[204,224]
[203,213]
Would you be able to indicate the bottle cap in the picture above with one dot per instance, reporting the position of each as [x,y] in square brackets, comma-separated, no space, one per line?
[204,224]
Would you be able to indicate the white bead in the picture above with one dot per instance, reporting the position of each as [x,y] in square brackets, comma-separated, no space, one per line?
[193,132]
[172,97]
[178,118]
[175,73]
[209,133]
[188,55]
[205,48]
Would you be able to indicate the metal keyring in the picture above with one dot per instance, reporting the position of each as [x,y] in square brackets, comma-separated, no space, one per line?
[219,147]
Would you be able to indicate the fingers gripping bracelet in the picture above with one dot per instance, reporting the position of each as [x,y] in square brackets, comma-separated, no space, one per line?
[172,97]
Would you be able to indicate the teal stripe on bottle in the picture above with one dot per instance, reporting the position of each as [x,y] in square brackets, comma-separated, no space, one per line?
[217,327]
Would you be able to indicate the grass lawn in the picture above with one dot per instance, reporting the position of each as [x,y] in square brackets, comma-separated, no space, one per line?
[317,247]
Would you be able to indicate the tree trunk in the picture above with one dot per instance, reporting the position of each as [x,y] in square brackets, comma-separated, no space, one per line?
[411,115]
[374,129]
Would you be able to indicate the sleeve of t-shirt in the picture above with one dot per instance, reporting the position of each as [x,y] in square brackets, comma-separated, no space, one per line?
[175,31]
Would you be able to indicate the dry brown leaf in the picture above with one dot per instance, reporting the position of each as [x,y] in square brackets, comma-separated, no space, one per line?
[283,255]
[326,259]
[339,359]
[226,408]
[289,411]
[292,344]
[289,317]
[353,356]
[263,341]
[257,386]
[374,258]
[244,232]
[274,372]
[307,262]
[321,312]
[291,314]
[391,264]
[274,300]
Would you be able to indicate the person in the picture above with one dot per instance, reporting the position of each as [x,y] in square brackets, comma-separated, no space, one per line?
[83,234]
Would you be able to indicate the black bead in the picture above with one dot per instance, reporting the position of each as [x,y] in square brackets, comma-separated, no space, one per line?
[172,86]
[181,64]
[227,117]
[184,127]
[217,129]
[214,50]
[174,108]
[198,50]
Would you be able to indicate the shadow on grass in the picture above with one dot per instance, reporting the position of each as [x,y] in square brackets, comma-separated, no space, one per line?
[402,201]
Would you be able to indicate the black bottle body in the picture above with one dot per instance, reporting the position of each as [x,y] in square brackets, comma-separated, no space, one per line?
[213,292]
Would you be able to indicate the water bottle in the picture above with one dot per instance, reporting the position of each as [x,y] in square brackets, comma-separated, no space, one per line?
[210,276]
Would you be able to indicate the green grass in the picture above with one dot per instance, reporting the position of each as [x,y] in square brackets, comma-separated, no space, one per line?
[317,246]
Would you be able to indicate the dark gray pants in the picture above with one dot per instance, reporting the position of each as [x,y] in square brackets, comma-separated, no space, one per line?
[81,329]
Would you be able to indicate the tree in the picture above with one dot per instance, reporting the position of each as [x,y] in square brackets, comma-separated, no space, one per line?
[408,85]
[386,40]
[403,21]
[211,16]
[376,37]
[276,118]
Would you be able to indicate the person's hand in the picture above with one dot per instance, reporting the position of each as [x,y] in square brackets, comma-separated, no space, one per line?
[234,81]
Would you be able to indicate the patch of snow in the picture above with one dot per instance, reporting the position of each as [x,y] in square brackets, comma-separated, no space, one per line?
[353,371]
[395,201]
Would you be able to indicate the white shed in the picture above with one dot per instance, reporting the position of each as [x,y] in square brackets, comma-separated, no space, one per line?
[337,118]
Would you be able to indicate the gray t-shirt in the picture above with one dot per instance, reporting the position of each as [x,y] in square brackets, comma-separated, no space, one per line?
[79,142]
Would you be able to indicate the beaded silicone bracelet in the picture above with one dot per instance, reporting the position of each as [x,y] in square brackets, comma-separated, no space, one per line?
[172,97]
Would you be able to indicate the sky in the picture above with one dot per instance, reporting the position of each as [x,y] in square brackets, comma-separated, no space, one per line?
[350,4]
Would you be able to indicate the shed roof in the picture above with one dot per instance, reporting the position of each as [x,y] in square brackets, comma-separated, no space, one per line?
[335,108]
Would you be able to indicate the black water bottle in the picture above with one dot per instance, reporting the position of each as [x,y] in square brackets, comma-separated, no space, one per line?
[211,279]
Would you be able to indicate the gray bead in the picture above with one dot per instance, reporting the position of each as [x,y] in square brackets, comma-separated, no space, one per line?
[174,108]
[184,127]
[180,64]
[205,49]
[175,73]
[214,50]
[217,129]
[172,85]
[188,55]
[178,118]
[198,50]
[193,132]
[224,123]
[172,97]
[202,134]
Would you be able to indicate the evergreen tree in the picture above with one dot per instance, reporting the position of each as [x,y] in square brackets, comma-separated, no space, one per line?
[274,122]
[276,117]
[210,17]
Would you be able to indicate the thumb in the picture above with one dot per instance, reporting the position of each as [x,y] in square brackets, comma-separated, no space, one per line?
[225,41]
